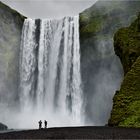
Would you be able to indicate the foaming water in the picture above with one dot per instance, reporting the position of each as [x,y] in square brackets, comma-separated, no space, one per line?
[50,79]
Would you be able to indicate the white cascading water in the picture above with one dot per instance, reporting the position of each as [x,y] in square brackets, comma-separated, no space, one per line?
[50,79]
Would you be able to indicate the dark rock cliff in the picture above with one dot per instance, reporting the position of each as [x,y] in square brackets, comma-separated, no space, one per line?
[10,32]
[126,107]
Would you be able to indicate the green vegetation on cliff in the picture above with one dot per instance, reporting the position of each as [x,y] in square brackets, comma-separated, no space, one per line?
[11,23]
[126,107]
[127,44]
[98,24]
[105,17]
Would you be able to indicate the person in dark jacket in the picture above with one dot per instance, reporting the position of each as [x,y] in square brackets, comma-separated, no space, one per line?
[45,124]
[40,124]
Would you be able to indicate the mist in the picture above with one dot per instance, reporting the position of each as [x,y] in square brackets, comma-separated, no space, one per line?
[102,73]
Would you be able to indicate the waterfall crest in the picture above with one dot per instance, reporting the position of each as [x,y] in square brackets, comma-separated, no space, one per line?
[50,79]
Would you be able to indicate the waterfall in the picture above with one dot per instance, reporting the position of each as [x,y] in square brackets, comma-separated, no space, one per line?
[50,79]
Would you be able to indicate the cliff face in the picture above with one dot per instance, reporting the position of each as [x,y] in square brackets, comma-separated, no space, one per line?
[10,32]
[126,107]
[127,44]
[102,72]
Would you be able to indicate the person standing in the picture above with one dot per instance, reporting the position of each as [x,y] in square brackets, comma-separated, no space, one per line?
[40,124]
[45,124]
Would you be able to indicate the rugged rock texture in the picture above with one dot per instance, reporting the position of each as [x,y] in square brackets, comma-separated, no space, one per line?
[3,127]
[10,32]
[126,107]
[101,69]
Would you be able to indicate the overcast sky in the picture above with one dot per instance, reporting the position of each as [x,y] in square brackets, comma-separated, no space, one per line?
[49,8]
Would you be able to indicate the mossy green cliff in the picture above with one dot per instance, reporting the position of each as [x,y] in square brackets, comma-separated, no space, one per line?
[105,17]
[102,70]
[126,107]
[10,32]
[99,23]
[127,45]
